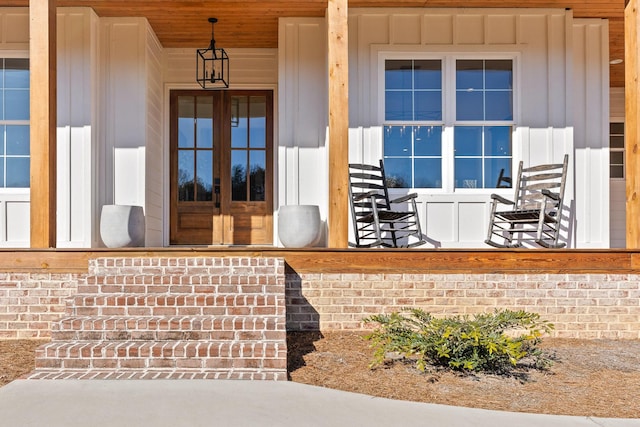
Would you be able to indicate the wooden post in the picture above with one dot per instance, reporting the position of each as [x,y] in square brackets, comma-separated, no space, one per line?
[338,60]
[42,60]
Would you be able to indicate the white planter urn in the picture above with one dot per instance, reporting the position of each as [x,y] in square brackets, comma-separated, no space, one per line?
[122,226]
[299,226]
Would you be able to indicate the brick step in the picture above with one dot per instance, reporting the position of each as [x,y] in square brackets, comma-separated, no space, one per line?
[176,285]
[163,355]
[170,305]
[160,328]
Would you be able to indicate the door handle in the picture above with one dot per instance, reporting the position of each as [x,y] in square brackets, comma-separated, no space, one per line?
[216,190]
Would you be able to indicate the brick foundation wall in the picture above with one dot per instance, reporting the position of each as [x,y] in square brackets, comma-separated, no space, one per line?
[29,302]
[581,306]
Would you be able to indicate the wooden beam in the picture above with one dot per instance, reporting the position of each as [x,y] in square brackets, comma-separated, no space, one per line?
[632,124]
[338,60]
[42,58]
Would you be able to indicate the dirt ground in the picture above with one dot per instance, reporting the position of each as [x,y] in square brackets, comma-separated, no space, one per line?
[598,378]
[588,377]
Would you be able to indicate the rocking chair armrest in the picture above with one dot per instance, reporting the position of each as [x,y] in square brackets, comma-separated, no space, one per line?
[501,199]
[551,195]
[404,198]
[366,195]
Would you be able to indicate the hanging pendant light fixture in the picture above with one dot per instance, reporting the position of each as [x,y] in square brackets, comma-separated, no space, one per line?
[212,65]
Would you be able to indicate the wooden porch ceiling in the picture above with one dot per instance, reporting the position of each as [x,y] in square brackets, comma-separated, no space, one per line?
[254,23]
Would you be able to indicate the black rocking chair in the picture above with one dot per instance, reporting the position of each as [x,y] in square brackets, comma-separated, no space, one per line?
[375,222]
[535,211]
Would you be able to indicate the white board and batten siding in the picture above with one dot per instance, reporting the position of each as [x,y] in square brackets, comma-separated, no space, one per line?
[550,70]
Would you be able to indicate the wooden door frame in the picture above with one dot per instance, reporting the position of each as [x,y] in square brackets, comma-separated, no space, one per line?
[222,227]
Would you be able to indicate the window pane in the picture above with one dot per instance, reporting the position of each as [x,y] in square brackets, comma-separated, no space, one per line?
[469,105]
[428,173]
[2,173]
[469,74]
[257,185]
[498,74]
[2,139]
[427,74]
[258,122]
[428,105]
[468,141]
[397,74]
[494,167]
[497,141]
[204,175]
[398,172]
[18,172]
[428,141]
[239,122]
[17,104]
[468,173]
[18,140]
[397,141]
[239,175]
[186,175]
[398,105]
[186,121]
[16,74]
[204,122]
[498,106]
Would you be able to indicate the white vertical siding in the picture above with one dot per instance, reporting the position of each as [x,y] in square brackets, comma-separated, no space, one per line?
[591,123]
[76,135]
[302,116]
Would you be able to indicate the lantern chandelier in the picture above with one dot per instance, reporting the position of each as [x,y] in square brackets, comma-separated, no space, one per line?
[212,65]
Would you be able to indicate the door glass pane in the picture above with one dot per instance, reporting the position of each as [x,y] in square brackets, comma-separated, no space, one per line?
[204,175]
[258,164]
[18,172]
[239,122]
[239,175]
[18,140]
[186,121]
[258,122]
[204,122]
[186,175]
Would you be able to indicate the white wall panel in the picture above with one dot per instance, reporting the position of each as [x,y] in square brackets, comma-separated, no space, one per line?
[302,114]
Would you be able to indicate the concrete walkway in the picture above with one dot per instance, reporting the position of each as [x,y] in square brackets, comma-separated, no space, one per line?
[173,403]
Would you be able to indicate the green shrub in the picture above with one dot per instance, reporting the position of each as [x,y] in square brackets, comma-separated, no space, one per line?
[490,342]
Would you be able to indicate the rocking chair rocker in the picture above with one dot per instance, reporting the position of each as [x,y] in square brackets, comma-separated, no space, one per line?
[535,211]
[375,223]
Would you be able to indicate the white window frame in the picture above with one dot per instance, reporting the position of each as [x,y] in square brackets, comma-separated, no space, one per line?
[448,60]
